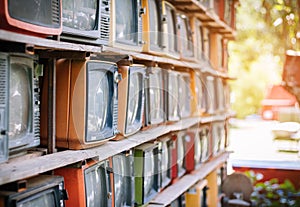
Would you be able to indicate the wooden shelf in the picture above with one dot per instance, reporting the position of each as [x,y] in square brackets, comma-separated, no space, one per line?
[172,192]
[16,170]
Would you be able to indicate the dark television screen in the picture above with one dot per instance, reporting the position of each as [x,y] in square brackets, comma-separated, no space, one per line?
[172,30]
[155,23]
[99,100]
[149,171]
[156,99]
[45,199]
[134,105]
[96,186]
[173,93]
[39,12]
[126,21]
[80,15]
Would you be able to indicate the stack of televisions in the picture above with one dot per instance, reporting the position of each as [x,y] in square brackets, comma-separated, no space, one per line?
[98,100]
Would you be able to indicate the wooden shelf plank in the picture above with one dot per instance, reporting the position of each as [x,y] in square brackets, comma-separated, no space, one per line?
[169,194]
[47,43]
[13,171]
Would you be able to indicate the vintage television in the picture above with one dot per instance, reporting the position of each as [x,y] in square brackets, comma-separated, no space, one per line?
[37,18]
[154,97]
[122,165]
[42,190]
[170,30]
[197,97]
[182,154]
[205,139]
[87,103]
[19,104]
[218,137]
[206,43]
[88,183]
[131,95]
[126,27]
[171,95]
[198,37]
[146,168]
[153,27]
[184,94]
[220,91]
[166,145]
[211,100]
[179,202]
[86,21]
[185,35]
[197,195]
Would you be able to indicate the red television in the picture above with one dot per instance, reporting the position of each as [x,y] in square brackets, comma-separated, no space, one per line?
[33,17]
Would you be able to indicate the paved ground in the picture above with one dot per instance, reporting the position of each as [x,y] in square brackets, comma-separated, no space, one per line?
[252,142]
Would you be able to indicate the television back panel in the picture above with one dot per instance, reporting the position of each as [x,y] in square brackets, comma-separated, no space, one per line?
[38,18]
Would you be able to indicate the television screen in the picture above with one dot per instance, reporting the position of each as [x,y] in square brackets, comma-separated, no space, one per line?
[171,28]
[199,93]
[35,17]
[155,27]
[181,152]
[86,21]
[199,40]
[131,94]
[123,179]
[211,96]
[88,183]
[197,147]
[215,139]
[146,172]
[185,34]
[43,190]
[154,111]
[171,91]
[165,147]
[206,43]
[185,94]
[221,94]
[20,119]
[87,108]
[127,23]
[204,134]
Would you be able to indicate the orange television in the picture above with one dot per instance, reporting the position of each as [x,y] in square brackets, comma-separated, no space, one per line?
[38,18]
[86,104]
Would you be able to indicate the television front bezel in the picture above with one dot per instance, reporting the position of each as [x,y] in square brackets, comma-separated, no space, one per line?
[35,187]
[189,150]
[128,176]
[123,92]
[71,107]
[139,152]
[32,137]
[148,121]
[167,94]
[75,174]
[165,39]
[24,27]
[97,36]
[126,45]
[185,53]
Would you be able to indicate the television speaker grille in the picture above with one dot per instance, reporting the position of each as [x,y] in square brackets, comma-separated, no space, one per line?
[105,20]
[56,19]
[3,79]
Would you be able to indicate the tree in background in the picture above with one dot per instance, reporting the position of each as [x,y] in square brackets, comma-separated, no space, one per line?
[257,54]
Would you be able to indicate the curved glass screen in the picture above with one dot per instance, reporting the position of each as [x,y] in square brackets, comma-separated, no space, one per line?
[180,152]
[156,100]
[119,182]
[197,144]
[173,91]
[45,199]
[126,21]
[98,103]
[148,172]
[95,186]
[199,92]
[134,98]
[80,15]
[164,161]
[154,22]
[171,22]
[20,101]
[205,144]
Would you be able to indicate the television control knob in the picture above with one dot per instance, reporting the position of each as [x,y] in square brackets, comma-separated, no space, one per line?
[36,90]
[109,195]
[106,9]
